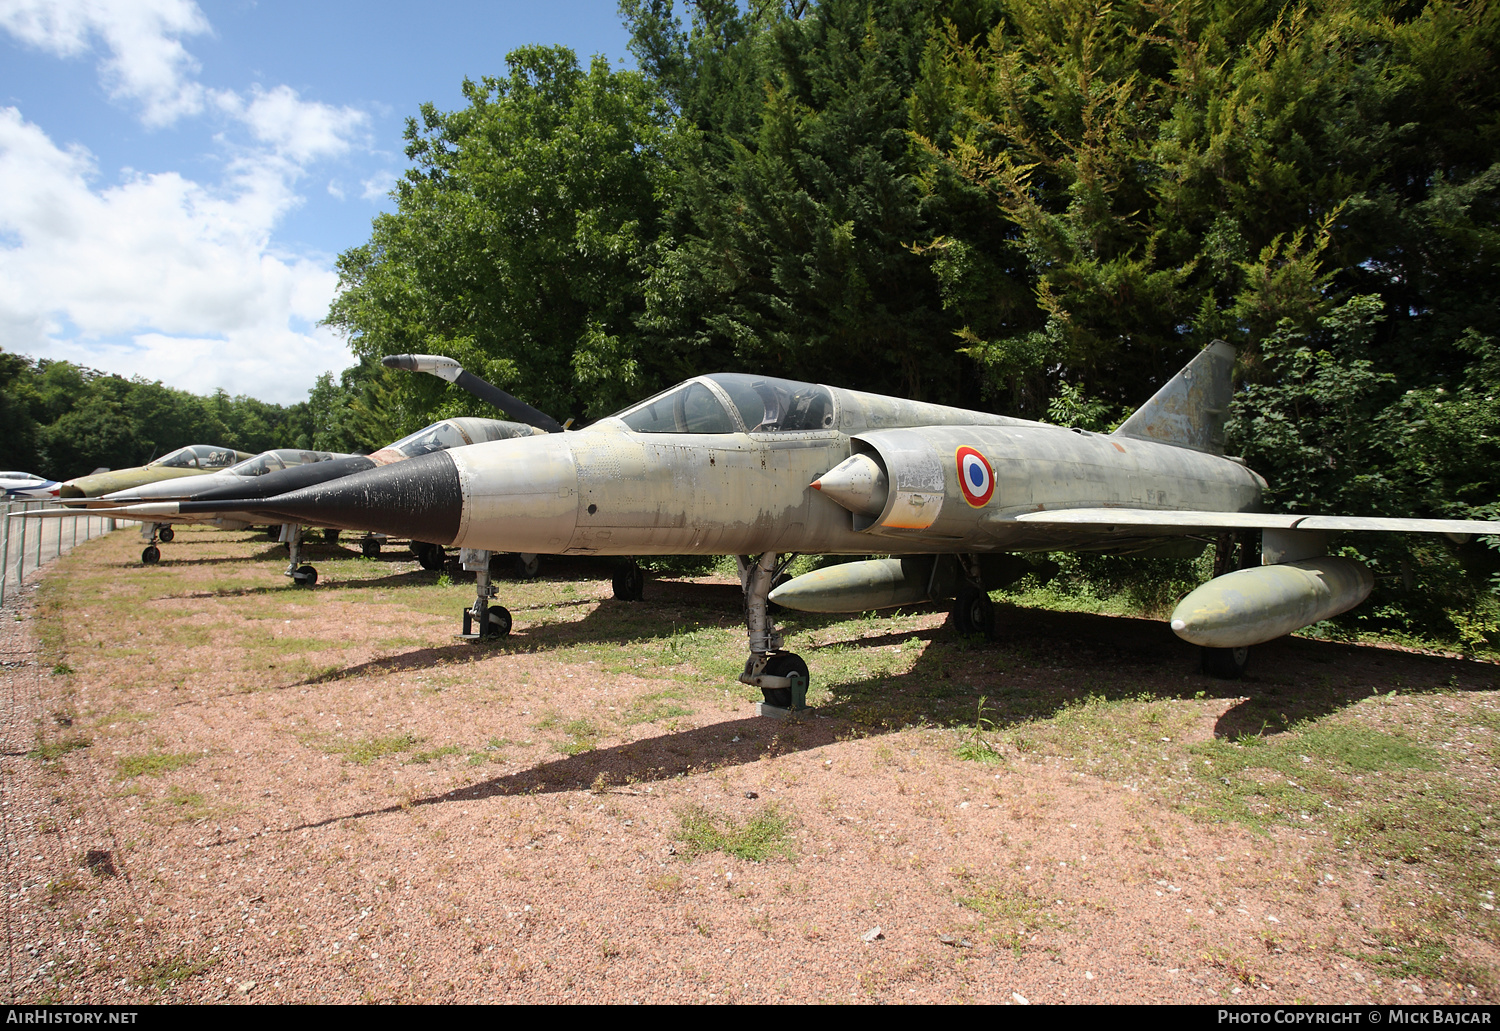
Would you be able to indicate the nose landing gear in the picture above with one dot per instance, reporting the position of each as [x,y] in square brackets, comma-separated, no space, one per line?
[302,576]
[781,675]
[483,619]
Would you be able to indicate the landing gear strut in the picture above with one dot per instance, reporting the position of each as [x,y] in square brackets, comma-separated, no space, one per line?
[302,576]
[780,675]
[151,533]
[483,620]
[973,612]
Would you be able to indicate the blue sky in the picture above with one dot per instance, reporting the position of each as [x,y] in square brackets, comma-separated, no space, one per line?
[177,178]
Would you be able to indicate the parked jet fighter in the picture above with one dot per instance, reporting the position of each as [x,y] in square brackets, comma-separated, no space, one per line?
[27,487]
[234,497]
[193,460]
[759,468]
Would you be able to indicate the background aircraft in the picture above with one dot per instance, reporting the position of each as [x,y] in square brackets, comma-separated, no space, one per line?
[449,433]
[193,460]
[237,478]
[235,499]
[762,468]
[27,487]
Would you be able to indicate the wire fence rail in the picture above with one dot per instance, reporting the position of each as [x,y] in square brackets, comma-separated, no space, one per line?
[28,544]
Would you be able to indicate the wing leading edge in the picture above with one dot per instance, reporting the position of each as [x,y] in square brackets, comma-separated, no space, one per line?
[1177,521]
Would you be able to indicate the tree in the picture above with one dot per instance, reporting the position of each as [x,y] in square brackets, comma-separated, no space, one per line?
[518,242]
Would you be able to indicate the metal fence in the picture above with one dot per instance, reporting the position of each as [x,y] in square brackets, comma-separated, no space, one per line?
[28,544]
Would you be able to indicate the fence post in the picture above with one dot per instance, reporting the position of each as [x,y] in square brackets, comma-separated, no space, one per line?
[4,551]
[21,554]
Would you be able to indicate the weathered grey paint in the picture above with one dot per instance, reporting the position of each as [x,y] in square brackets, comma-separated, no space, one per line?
[1188,411]
[745,493]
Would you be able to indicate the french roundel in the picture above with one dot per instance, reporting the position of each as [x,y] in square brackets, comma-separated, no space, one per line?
[975,477]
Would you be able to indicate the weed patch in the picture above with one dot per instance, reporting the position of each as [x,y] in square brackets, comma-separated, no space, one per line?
[761,837]
[367,750]
[154,763]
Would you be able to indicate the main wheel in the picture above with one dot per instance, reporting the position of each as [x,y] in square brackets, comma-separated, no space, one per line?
[783,664]
[165,535]
[369,547]
[305,576]
[1225,663]
[973,612]
[527,566]
[630,583]
[500,621]
[151,555]
[331,535]
[431,556]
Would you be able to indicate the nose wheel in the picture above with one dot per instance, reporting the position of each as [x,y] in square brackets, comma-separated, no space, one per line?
[482,620]
[302,576]
[151,533]
[1225,663]
[973,612]
[781,675]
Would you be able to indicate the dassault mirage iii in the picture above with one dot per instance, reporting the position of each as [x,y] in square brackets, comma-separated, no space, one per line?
[192,460]
[765,468]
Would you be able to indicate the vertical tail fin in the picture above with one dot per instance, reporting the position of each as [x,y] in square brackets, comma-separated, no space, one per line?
[1189,410]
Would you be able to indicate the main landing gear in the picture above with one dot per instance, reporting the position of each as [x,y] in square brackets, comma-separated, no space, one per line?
[973,612]
[429,556]
[302,576]
[629,582]
[151,533]
[780,675]
[483,619]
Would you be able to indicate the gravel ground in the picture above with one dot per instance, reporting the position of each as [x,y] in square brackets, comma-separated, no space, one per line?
[400,830]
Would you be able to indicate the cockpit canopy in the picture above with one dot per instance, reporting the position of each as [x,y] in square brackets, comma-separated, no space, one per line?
[199,456]
[441,436]
[733,402]
[278,459]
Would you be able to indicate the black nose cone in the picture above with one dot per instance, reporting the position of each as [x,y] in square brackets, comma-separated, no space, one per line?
[419,498]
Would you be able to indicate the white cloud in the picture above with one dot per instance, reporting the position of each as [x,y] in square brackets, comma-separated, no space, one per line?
[299,130]
[378,187]
[159,275]
[146,60]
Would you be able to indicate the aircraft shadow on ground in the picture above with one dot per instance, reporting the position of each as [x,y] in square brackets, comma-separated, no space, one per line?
[943,689]
[417,578]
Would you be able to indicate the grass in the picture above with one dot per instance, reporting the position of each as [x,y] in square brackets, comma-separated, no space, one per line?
[366,750]
[1009,915]
[165,973]
[51,751]
[976,746]
[154,763]
[762,836]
